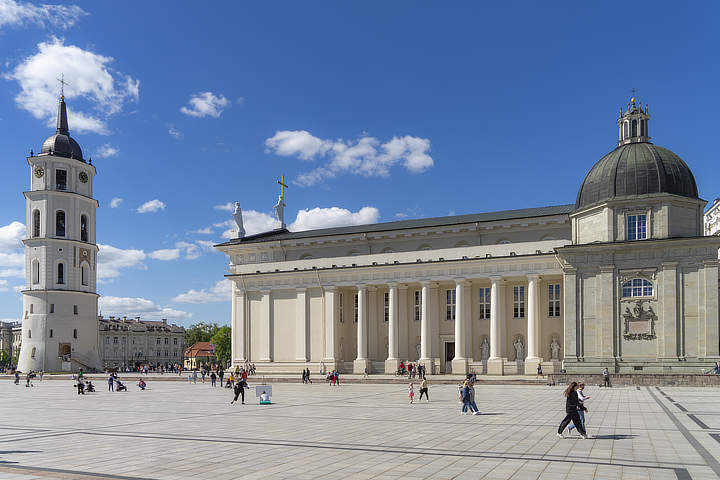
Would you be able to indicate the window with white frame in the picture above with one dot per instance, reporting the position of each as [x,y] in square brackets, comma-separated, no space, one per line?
[355,308]
[519,301]
[386,307]
[450,304]
[484,298]
[115,340]
[637,287]
[554,300]
[636,227]
[417,305]
[342,309]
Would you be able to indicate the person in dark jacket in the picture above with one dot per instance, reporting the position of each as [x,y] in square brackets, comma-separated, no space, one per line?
[466,398]
[239,391]
[572,406]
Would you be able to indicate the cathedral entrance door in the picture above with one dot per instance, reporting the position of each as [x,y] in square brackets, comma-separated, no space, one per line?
[449,355]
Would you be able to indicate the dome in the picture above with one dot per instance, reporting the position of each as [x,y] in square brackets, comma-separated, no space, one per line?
[62,144]
[636,169]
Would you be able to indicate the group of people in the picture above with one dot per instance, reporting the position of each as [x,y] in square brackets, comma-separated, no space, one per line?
[28,377]
[466,396]
[423,391]
[333,377]
[411,370]
[306,376]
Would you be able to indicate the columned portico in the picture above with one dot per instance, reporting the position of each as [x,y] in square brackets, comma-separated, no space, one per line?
[392,362]
[496,362]
[533,326]
[265,327]
[460,362]
[361,362]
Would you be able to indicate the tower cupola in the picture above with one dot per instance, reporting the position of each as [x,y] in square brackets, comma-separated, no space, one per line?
[62,144]
[633,124]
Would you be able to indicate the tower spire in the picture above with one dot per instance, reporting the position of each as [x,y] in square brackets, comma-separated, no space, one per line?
[62,120]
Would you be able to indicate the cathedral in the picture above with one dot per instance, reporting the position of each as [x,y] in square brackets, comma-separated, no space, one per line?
[623,278]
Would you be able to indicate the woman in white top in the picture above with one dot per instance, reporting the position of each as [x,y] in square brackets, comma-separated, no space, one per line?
[582,397]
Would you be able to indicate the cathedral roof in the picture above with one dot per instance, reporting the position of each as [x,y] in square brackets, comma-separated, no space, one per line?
[284,234]
[62,144]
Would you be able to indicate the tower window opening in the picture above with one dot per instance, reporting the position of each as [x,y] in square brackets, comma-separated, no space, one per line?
[61,179]
[29,333]
[60,223]
[32,354]
[31,308]
[634,128]
[51,333]
[52,308]
[35,272]
[75,311]
[36,223]
[83,228]
[625,130]
[74,332]
[83,275]
[61,274]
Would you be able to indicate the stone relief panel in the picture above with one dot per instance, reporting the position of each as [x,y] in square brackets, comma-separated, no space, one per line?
[638,321]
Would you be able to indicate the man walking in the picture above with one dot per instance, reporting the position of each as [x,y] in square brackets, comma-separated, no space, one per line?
[213,377]
[111,383]
[606,377]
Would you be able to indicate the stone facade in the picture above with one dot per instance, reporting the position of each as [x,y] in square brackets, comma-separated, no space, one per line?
[9,338]
[131,342]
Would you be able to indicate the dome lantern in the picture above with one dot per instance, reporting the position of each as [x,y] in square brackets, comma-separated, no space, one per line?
[633,124]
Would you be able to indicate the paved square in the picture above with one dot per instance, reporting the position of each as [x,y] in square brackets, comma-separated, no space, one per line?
[180,431]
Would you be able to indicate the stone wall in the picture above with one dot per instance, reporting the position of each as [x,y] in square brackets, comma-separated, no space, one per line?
[639,380]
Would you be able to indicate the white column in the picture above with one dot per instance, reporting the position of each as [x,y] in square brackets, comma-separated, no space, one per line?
[496,364]
[533,325]
[403,320]
[362,324]
[331,308]
[372,324]
[392,361]
[239,327]
[459,363]
[301,326]
[265,331]
[425,325]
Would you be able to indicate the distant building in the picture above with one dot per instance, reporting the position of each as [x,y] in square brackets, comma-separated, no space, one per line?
[132,342]
[10,337]
[712,218]
[198,354]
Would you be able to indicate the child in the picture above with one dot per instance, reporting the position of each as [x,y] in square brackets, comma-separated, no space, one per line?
[141,384]
[411,392]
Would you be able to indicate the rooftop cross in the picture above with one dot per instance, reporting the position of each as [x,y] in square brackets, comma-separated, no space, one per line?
[282,185]
[62,85]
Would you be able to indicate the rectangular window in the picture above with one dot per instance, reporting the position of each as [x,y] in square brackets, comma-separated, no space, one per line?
[51,333]
[636,227]
[61,179]
[32,307]
[174,341]
[554,300]
[52,308]
[341,316]
[355,309]
[386,307]
[124,340]
[450,304]
[75,309]
[519,301]
[166,341]
[484,296]
[115,340]
[157,342]
[107,340]
[75,333]
[418,305]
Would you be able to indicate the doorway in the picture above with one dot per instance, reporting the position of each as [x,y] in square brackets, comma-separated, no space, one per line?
[449,355]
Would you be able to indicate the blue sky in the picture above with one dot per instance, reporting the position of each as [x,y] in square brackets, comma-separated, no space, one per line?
[373,111]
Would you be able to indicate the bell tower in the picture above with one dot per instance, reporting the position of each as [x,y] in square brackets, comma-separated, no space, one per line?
[59,317]
[633,124]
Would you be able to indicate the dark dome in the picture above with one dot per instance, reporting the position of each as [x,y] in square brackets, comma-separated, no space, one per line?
[62,146]
[636,169]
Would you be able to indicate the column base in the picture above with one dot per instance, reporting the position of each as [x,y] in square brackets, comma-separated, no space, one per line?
[496,366]
[391,366]
[360,364]
[531,364]
[460,366]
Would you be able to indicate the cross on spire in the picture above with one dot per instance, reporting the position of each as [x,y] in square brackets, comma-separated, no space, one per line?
[282,185]
[62,85]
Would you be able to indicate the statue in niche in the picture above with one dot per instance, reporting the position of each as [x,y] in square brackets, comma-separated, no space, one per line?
[484,349]
[519,349]
[554,349]
[237,215]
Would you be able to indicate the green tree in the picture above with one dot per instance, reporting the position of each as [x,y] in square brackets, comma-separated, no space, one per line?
[200,332]
[221,344]
[4,357]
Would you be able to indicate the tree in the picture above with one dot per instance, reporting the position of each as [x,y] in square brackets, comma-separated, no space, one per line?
[222,344]
[4,357]
[200,332]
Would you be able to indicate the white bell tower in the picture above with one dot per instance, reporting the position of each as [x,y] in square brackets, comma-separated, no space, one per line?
[59,318]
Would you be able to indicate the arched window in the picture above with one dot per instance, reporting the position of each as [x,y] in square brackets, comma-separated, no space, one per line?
[74,332]
[35,272]
[36,223]
[637,287]
[32,354]
[84,275]
[634,128]
[83,228]
[59,223]
[61,273]
[30,334]
[642,128]
[625,130]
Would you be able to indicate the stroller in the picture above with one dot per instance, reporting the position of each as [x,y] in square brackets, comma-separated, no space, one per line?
[119,387]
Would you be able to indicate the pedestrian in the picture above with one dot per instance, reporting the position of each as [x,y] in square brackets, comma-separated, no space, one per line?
[221,374]
[465,398]
[572,406]
[40,374]
[411,392]
[424,390]
[239,390]
[307,376]
[202,374]
[473,405]
[111,383]
[606,377]
[28,379]
[304,377]
[581,413]
[194,376]
[539,372]
[336,378]
[365,373]
[213,377]
[141,384]
[17,378]
[80,386]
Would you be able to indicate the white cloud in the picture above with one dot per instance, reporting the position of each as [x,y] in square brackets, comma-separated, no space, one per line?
[138,307]
[115,202]
[253,221]
[18,288]
[190,250]
[333,217]
[174,132]
[226,207]
[11,236]
[220,292]
[4,285]
[12,253]
[89,76]
[165,254]
[151,206]
[365,156]
[107,151]
[112,259]
[203,231]
[14,13]
[205,104]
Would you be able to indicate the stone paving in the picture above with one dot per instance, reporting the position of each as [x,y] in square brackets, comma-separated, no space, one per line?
[180,431]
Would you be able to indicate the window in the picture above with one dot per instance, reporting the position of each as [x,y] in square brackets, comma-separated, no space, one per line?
[341,307]
[52,308]
[35,272]
[59,223]
[32,354]
[75,310]
[107,340]
[74,332]
[157,342]
[61,273]
[174,341]
[29,333]
[519,301]
[450,304]
[625,130]
[31,308]
[83,275]
[355,309]
[637,287]
[115,340]
[166,341]
[634,128]
[554,300]
[124,340]
[386,306]
[133,342]
[51,333]
[166,353]
[61,179]
[83,228]
[636,227]
[484,296]
[36,223]
[418,305]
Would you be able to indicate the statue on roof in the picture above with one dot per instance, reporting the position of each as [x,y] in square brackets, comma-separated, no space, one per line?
[237,215]
[280,205]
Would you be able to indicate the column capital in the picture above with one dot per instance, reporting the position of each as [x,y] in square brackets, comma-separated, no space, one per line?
[301,289]
[669,265]
[429,283]
[497,279]
[607,268]
[461,282]
[372,288]
[533,276]
[361,287]
[330,288]
[402,286]
[392,285]
[266,291]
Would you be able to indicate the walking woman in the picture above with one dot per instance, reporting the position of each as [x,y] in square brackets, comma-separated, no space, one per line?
[572,406]
[582,397]
[424,390]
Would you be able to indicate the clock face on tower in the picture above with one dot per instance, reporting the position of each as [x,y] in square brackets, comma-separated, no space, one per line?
[39,171]
[83,177]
